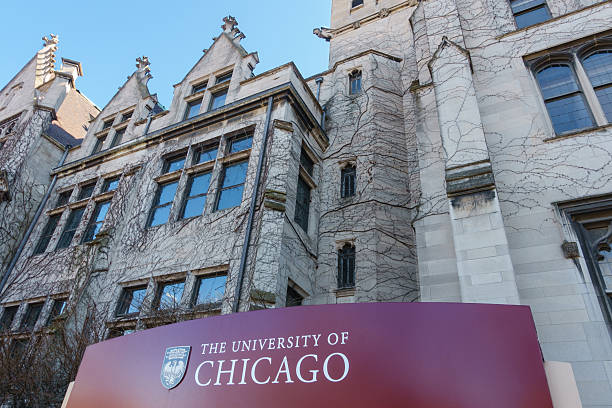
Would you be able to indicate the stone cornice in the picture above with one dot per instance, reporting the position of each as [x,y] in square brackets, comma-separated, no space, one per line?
[352,57]
[382,13]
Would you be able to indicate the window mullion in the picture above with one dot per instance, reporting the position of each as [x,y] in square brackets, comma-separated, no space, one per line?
[589,92]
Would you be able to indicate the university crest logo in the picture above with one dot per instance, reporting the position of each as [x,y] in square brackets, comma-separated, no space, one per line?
[174,366]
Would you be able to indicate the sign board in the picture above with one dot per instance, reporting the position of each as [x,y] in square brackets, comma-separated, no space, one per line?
[436,355]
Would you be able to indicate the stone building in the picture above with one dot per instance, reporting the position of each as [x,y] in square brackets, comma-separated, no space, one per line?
[453,151]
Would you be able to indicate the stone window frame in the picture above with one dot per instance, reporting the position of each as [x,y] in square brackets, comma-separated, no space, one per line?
[344,164]
[307,178]
[571,55]
[64,210]
[148,315]
[8,126]
[349,244]
[291,285]
[43,320]
[353,73]
[353,7]
[198,93]
[117,124]
[526,11]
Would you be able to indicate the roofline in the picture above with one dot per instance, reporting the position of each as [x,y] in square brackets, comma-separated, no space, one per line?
[361,54]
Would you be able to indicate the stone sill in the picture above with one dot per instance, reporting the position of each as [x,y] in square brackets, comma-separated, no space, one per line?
[579,133]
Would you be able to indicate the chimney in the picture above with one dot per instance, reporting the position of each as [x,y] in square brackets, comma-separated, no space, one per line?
[71,67]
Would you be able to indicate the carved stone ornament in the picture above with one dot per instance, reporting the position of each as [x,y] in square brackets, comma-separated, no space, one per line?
[51,40]
[356,25]
[229,23]
[570,250]
[383,13]
[143,64]
[323,32]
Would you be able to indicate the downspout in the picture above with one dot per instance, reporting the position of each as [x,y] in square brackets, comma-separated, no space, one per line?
[247,235]
[39,211]
[319,81]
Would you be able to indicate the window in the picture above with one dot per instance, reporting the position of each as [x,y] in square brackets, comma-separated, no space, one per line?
[293,298]
[63,198]
[197,189]
[162,204]
[346,267]
[98,146]
[86,191]
[119,331]
[57,310]
[8,316]
[126,116]
[218,100]
[131,301]
[199,87]
[205,154]
[232,185]
[529,12]
[355,82]
[306,162]
[110,184]
[7,126]
[302,204]
[239,144]
[563,98]
[97,219]
[347,187]
[72,224]
[173,164]
[355,3]
[47,233]
[598,67]
[210,290]
[169,294]
[193,108]
[118,138]
[108,123]
[224,78]
[31,316]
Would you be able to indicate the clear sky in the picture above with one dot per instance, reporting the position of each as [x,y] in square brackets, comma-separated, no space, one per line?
[107,36]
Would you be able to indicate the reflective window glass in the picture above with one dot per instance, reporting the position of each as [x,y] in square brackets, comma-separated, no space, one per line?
[210,289]
[131,300]
[163,203]
[241,143]
[598,67]
[169,295]
[206,154]
[218,100]
[97,219]
[197,189]
[230,194]
[72,224]
[193,109]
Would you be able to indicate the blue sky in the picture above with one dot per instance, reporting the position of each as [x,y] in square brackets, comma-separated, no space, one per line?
[107,36]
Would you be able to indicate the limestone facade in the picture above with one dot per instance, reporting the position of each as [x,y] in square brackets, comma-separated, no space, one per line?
[453,151]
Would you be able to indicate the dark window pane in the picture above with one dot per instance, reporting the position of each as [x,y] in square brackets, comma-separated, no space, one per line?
[522,5]
[199,87]
[98,146]
[346,267]
[59,305]
[127,116]
[348,181]
[63,198]
[31,316]
[71,226]
[230,197]
[235,174]
[193,109]
[163,204]
[118,138]
[306,162]
[356,3]
[47,233]
[170,294]
[206,154]
[557,80]
[110,184]
[569,114]
[108,123]
[598,67]
[131,301]
[224,78]
[97,219]
[605,99]
[174,164]
[210,290]
[86,191]
[531,17]
[302,204]
[218,100]
[293,297]
[8,316]
[355,83]
[197,189]
[242,143]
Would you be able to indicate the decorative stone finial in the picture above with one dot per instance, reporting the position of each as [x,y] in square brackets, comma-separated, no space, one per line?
[229,23]
[51,40]
[323,32]
[142,63]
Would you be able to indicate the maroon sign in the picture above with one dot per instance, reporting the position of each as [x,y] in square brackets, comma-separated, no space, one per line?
[436,355]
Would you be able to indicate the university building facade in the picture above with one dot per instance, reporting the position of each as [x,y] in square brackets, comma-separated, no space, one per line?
[453,151]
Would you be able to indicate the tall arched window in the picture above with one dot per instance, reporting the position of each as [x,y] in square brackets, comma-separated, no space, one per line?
[346,266]
[347,183]
[598,67]
[564,99]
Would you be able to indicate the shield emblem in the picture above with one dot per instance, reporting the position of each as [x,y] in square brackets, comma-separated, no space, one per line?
[174,366]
